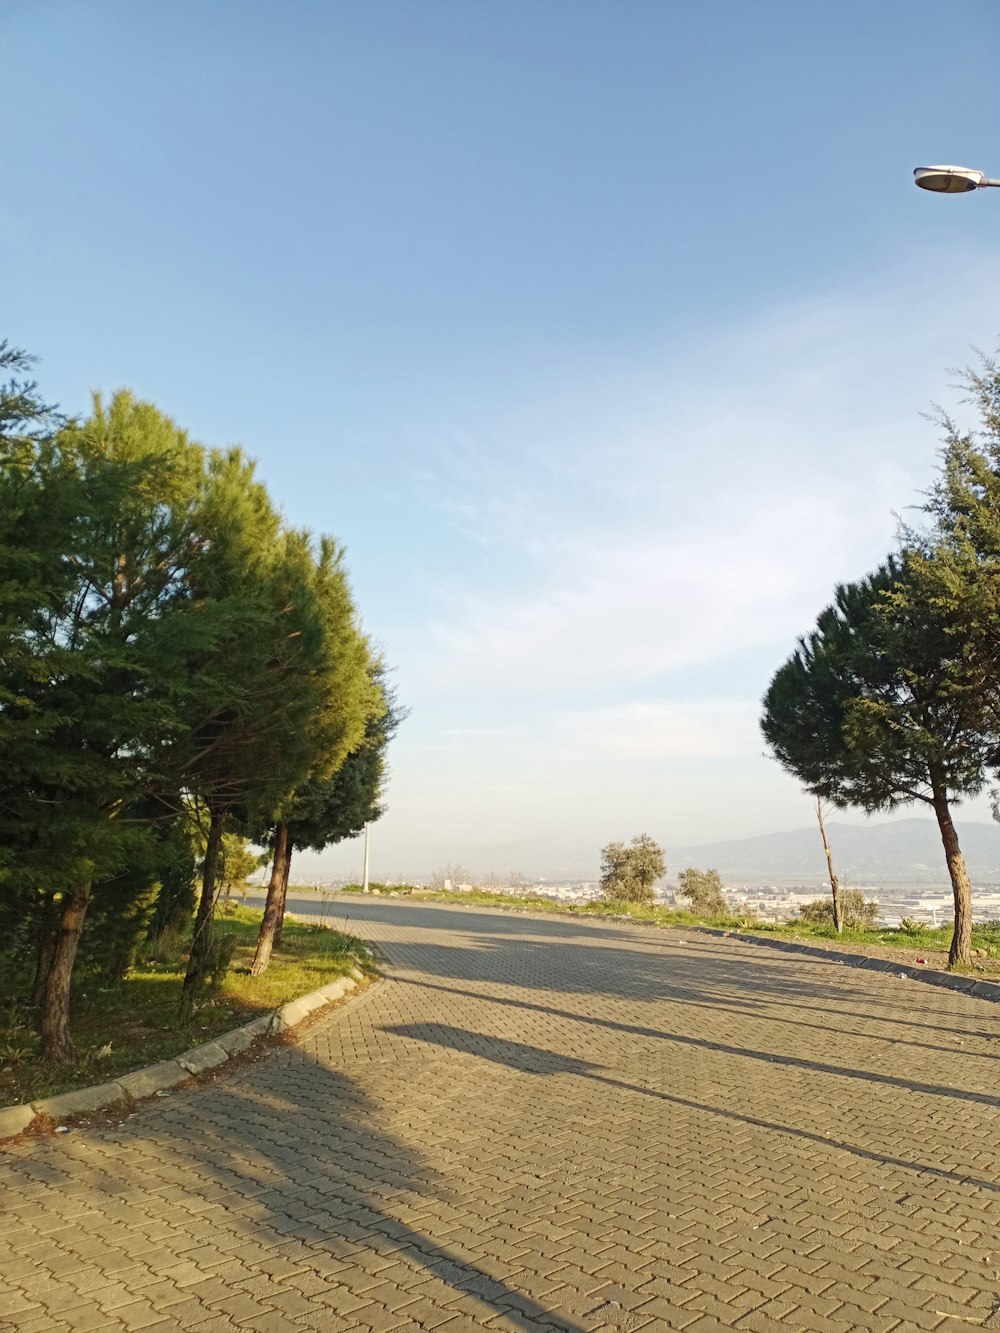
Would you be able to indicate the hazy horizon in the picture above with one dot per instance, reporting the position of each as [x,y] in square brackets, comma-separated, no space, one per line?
[600,334]
[541,861]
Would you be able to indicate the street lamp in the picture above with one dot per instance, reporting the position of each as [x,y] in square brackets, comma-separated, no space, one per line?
[951,180]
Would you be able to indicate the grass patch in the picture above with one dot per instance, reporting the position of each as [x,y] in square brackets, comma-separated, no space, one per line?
[133,1023]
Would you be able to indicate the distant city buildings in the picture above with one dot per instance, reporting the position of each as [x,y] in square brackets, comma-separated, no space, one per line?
[768,902]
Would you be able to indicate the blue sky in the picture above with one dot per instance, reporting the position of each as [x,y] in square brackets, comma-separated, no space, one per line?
[599,332]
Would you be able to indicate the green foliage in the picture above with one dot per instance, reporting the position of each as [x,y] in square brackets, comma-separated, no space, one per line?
[238,864]
[83,724]
[629,870]
[327,809]
[986,936]
[873,709]
[135,1023]
[165,643]
[117,923]
[380,886]
[175,899]
[703,890]
[858,914]
[955,564]
[881,706]
[17,1039]
[220,957]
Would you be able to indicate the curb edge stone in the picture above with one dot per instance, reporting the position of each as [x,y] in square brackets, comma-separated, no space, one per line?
[151,1079]
[956,981]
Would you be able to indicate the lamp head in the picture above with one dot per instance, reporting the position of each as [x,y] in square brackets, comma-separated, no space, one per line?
[947,180]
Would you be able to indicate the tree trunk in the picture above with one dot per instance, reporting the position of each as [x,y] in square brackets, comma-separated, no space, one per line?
[265,940]
[838,914]
[57,1044]
[960,953]
[201,940]
[284,895]
[48,933]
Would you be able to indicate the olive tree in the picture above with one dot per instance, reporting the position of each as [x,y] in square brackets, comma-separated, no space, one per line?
[629,870]
[703,890]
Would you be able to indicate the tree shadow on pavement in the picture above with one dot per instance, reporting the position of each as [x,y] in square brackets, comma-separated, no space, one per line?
[538,1061]
[715,1005]
[283,1161]
[618,971]
[491,931]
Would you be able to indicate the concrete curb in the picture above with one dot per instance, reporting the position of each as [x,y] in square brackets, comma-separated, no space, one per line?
[145,1082]
[981,990]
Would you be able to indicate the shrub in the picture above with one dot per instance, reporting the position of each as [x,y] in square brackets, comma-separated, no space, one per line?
[703,890]
[117,923]
[629,870]
[857,913]
[987,936]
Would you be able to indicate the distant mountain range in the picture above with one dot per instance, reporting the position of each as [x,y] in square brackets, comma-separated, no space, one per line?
[907,851]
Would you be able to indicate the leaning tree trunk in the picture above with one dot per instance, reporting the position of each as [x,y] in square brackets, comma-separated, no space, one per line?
[960,953]
[265,940]
[284,895]
[838,911]
[201,940]
[57,1044]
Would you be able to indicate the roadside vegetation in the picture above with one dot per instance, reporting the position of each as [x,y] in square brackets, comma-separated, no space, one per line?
[133,1020]
[814,923]
[894,697]
[182,673]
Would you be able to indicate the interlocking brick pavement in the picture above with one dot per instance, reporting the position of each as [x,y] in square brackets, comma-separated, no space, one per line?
[544,1123]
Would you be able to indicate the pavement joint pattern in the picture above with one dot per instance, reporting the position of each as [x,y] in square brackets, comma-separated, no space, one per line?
[544,1123]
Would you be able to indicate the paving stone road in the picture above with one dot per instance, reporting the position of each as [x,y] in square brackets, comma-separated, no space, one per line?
[544,1122]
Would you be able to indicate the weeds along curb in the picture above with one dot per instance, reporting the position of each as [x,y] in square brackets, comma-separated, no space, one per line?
[981,990]
[146,1082]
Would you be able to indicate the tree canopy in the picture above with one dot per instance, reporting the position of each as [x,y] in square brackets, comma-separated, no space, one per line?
[629,870]
[169,649]
[703,890]
[328,807]
[877,708]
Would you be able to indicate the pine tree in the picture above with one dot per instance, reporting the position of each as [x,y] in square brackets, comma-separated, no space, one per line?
[84,718]
[352,700]
[325,811]
[255,681]
[877,708]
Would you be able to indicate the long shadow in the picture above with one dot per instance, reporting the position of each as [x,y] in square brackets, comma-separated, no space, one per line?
[895,1019]
[767,1057]
[439,916]
[296,1151]
[619,971]
[731,959]
[718,976]
[616,967]
[714,1006]
[536,1060]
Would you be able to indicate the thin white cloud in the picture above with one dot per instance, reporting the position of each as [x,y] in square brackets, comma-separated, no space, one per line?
[631,558]
[708,510]
[663,732]
[479,733]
